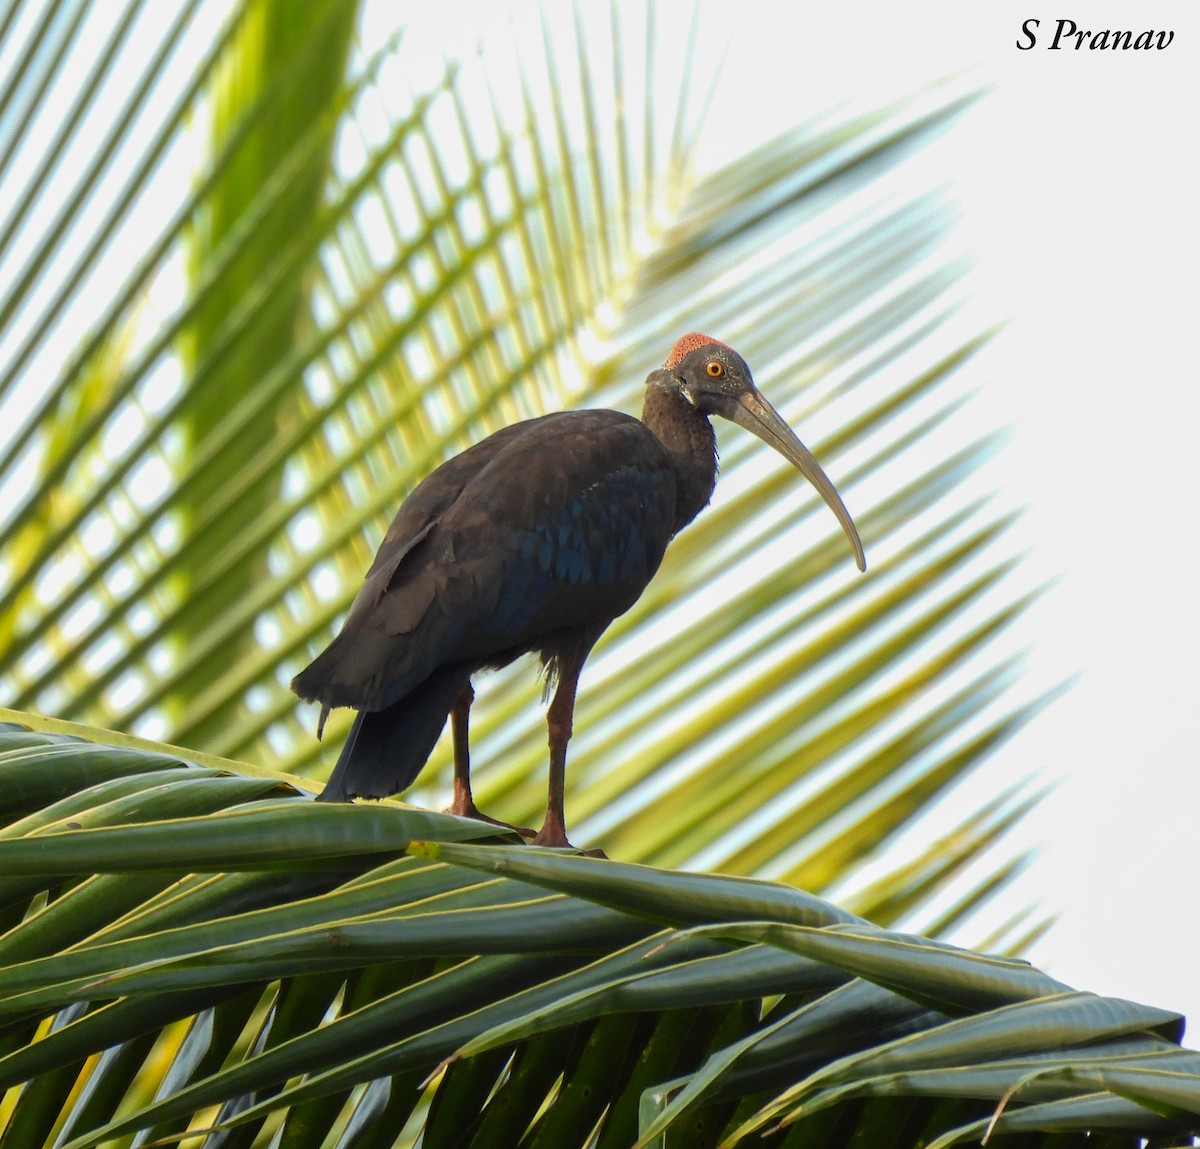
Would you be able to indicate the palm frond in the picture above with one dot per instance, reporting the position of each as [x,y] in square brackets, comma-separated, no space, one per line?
[296,266]
[306,968]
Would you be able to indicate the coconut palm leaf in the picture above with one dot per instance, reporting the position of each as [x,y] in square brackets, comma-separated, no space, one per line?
[214,399]
[327,970]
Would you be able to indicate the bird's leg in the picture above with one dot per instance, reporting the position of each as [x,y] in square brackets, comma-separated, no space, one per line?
[558,721]
[559,725]
[463,803]
[460,716]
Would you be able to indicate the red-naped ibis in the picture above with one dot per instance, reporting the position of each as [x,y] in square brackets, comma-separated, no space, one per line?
[534,539]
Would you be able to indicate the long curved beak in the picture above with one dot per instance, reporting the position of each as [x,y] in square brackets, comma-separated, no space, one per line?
[752,411]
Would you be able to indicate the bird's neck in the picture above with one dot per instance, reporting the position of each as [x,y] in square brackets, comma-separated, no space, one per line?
[691,444]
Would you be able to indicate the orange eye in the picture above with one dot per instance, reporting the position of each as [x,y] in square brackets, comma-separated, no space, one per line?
[715,368]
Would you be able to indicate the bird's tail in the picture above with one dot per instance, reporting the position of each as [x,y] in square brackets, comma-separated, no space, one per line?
[385,749]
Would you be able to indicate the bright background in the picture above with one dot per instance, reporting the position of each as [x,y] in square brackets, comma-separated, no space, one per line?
[1077,180]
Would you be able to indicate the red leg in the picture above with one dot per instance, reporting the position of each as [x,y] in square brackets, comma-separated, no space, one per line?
[460,716]
[559,724]
[463,803]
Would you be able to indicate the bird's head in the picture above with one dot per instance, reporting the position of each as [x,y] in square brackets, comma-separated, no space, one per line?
[714,379]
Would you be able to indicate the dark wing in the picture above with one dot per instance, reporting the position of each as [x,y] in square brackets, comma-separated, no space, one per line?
[331,678]
[430,499]
[554,524]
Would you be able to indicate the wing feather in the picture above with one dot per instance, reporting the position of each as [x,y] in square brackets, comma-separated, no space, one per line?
[550,525]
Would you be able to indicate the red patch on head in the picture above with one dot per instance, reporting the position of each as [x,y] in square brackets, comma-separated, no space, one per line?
[687,345]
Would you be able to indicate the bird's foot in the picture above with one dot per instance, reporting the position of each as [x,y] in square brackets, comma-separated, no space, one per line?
[470,810]
[553,841]
[555,836]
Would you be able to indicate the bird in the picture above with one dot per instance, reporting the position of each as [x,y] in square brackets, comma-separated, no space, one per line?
[533,540]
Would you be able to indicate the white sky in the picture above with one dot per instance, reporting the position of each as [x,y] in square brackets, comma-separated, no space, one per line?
[1078,183]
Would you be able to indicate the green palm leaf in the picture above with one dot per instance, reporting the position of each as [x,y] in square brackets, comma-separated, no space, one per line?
[335,970]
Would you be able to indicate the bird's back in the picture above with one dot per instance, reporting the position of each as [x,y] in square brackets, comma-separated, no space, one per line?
[552,524]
